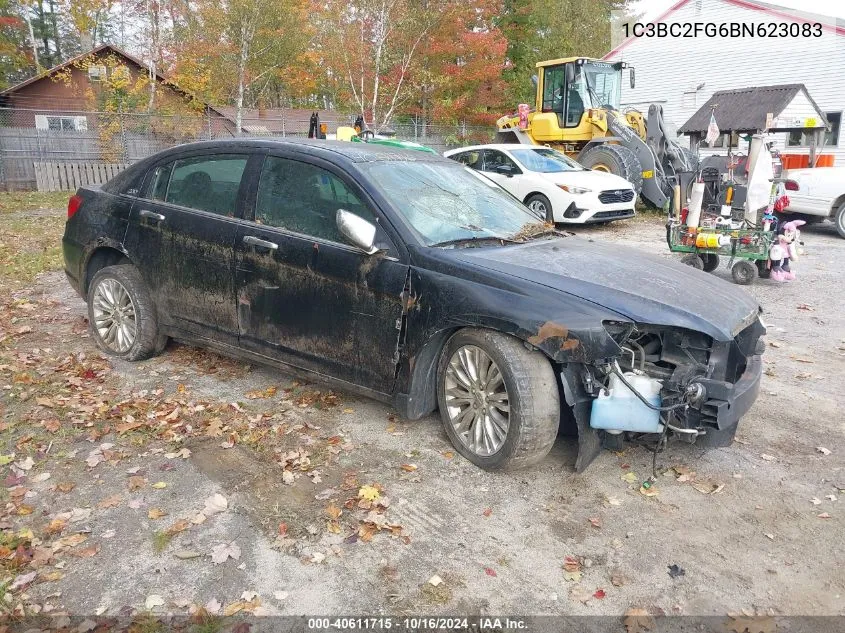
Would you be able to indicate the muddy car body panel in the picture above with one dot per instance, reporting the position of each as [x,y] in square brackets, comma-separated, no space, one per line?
[303,298]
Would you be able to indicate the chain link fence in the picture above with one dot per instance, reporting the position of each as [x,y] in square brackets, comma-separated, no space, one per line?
[30,137]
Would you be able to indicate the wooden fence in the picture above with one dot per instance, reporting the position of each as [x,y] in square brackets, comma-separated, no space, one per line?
[68,176]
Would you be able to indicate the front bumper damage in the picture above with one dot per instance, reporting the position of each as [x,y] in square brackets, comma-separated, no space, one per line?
[731,383]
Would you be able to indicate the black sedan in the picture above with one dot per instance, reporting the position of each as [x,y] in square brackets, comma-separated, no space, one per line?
[411,279]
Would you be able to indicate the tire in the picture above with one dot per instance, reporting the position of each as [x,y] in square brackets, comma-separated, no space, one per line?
[839,220]
[763,271]
[693,260]
[710,262]
[122,286]
[540,205]
[530,390]
[617,159]
[743,272]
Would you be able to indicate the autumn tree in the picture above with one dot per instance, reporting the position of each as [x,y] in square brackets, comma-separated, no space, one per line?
[459,73]
[369,47]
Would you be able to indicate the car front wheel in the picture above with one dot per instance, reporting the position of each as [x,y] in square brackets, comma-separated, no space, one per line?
[541,206]
[839,218]
[121,314]
[499,400]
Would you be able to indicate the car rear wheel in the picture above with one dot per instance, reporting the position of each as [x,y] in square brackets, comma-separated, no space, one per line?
[840,220]
[541,206]
[121,314]
[499,400]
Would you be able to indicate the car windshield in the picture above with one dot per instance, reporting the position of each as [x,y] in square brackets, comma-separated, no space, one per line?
[446,202]
[545,160]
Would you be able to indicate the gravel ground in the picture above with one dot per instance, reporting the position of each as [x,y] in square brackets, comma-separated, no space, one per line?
[538,541]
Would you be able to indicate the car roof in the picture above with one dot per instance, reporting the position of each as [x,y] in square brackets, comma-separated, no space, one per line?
[501,146]
[354,152]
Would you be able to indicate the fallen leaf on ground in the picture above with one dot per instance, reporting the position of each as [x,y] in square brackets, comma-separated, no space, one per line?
[159,485]
[136,482]
[708,487]
[22,581]
[65,486]
[617,580]
[40,477]
[369,493]
[317,557]
[638,620]
[215,504]
[768,458]
[186,554]
[651,491]
[595,522]
[815,501]
[153,601]
[435,580]
[280,595]
[213,606]
[88,552]
[287,477]
[630,478]
[770,536]
[487,512]
[823,450]
[156,513]
[184,453]
[571,569]
[179,526]
[222,552]
[599,594]
[25,464]
[110,502]
[409,468]
[823,515]
[490,572]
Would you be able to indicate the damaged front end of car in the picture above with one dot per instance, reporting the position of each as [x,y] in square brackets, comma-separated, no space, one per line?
[665,382]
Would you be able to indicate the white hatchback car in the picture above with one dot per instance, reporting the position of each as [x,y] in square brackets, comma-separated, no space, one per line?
[550,183]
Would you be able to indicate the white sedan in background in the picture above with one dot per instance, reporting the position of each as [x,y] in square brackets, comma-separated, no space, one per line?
[550,183]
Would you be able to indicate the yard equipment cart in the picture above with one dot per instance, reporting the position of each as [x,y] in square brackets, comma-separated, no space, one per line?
[747,248]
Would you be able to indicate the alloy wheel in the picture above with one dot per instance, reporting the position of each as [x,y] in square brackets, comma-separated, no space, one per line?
[114,315]
[537,206]
[477,400]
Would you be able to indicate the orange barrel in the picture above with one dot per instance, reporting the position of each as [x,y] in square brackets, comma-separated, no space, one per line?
[825,160]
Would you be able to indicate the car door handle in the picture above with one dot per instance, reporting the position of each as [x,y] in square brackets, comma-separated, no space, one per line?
[151,215]
[251,240]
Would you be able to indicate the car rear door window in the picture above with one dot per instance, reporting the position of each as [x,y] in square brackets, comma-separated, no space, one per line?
[471,159]
[160,179]
[304,198]
[207,183]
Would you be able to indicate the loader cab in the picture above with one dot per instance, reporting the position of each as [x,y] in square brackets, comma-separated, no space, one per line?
[570,87]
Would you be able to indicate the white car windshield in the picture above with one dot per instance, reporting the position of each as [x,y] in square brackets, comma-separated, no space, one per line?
[446,202]
[545,160]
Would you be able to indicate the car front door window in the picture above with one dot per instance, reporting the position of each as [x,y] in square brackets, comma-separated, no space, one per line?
[304,198]
[499,163]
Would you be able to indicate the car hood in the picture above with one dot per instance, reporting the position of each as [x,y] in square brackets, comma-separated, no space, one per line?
[643,288]
[595,180]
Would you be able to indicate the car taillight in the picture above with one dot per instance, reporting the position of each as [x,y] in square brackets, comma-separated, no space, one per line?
[791,185]
[73,205]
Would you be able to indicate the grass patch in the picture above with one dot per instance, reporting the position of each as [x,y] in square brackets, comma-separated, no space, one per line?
[161,540]
[16,201]
[30,245]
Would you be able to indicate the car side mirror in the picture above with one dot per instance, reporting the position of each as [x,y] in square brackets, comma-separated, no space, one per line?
[505,169]
[357,231]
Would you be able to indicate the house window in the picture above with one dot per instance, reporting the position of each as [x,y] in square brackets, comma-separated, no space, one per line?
[831,136]
[97,73]
[61,123]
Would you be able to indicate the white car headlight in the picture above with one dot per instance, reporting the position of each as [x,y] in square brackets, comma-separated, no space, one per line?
[575,190]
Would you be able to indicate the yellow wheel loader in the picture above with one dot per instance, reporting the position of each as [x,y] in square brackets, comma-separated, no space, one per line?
[577,111]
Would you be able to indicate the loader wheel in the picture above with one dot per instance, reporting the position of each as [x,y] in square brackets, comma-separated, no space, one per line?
[614,159]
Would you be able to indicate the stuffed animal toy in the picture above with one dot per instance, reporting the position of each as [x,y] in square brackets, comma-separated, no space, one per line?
[785,248]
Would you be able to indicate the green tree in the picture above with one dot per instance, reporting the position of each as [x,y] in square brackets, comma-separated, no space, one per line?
[537,30]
